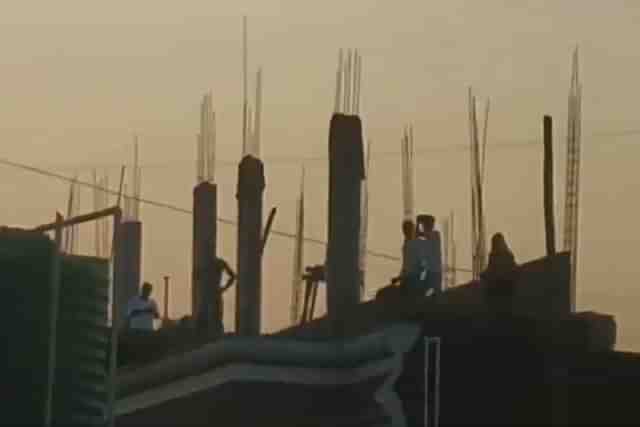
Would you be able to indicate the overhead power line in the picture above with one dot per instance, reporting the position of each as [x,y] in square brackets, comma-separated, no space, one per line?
[173,208]
[428,151]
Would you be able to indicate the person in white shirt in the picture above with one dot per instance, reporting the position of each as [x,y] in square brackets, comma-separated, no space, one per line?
[141,310]
[432,236]
[408,232]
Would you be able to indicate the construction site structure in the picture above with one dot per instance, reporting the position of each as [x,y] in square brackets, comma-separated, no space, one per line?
[572,184]
[205,231]
[128,252]
[346,172]
[250,191]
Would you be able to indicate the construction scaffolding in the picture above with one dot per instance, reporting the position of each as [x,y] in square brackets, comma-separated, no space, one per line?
[572,185]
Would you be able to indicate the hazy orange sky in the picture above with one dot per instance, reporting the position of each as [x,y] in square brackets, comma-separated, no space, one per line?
[78,78]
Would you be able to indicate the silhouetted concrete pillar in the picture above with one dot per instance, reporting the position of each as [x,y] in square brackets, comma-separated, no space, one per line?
[127,261]
[346,172]
[205,207]
[251,184]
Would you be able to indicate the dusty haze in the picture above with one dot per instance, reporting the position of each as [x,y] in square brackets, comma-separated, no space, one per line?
[78,78]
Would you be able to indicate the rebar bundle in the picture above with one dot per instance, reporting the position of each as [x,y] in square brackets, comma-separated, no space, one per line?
[572,189]
[449,251]
[477,172]
[408,176]
[364,219]
[132,198]
[251,122]
[348,83]
[101,202]
[71,236]
[206,141]
[298,259]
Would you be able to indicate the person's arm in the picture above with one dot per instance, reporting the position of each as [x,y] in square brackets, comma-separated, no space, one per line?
[231,274]
[154,308]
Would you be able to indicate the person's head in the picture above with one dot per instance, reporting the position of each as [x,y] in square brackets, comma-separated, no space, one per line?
[408,229]
[498,243]
[146,290]
[425,224]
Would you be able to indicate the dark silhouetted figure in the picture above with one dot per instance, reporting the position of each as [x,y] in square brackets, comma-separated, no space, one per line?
[210,318]
[409,232]
[500,276]
[426,229]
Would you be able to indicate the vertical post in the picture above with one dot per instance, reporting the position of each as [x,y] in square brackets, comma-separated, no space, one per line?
[205,236]
[115,319]
[445,254]
[166,298]
[549,220]
[346,172]
[432,382]
[54,284]
[267,230]
[251,184]
[453,281]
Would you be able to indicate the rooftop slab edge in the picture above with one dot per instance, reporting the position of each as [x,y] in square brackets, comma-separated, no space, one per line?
[264,350]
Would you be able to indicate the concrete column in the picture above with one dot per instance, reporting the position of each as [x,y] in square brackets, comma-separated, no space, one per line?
[251,184]
[205,231]
[127,262]
[346,172]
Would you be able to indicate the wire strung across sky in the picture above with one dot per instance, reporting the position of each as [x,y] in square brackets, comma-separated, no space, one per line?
[178,209]
[427,151]
[376,254]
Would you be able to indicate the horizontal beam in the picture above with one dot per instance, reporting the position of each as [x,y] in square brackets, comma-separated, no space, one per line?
[91,216]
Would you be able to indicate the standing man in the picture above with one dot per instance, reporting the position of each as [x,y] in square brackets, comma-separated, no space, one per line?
[137,343]
[434,249]
[141,310]
[211,310]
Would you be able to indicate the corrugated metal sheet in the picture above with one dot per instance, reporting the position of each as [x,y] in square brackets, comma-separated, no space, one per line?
[79,392]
